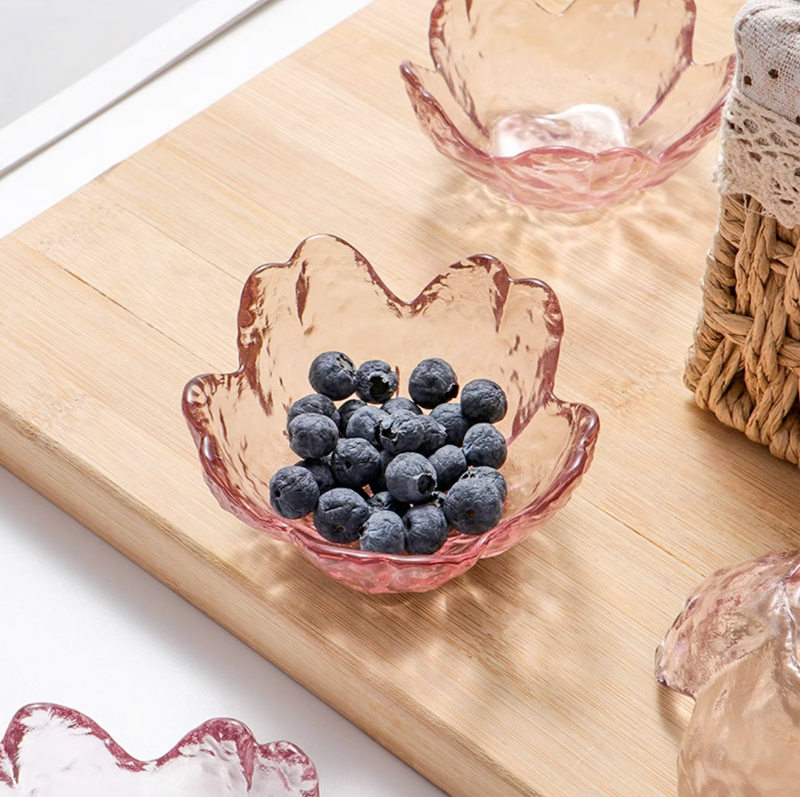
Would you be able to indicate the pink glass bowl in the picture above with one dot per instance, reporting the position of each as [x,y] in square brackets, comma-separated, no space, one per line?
[735,648]
[567,111]
[52,751]
[328,297]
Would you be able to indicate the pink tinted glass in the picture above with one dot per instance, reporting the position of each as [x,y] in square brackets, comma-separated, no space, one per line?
[52,751]
[567,111]
[327,297]
[734,649]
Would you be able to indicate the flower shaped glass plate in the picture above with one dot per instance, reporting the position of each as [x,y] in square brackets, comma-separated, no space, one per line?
[734,649]
[327,297]
[51,751]
[567,111]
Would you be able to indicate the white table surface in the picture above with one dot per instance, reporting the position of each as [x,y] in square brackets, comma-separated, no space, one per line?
[81,625]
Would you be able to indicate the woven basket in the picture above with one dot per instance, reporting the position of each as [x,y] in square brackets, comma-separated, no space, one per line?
[745,361]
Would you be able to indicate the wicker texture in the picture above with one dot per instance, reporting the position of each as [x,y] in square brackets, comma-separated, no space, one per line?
[745,361]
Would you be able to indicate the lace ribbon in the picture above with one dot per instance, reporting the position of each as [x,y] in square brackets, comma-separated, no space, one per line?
[760,157]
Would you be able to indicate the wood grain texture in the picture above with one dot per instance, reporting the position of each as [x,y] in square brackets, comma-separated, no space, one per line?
[530,675]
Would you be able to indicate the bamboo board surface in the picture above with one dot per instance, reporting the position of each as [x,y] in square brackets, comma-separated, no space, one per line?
[529,675]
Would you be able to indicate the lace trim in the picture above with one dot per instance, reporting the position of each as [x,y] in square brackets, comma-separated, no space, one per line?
[760,157]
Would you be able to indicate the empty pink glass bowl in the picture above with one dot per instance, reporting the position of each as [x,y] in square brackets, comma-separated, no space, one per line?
[52,751]
[567,111]
[327,297]
[734,649]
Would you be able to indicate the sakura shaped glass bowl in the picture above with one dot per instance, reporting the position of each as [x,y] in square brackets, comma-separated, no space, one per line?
[327,297]
[734,649]
[52,751]
[567,111]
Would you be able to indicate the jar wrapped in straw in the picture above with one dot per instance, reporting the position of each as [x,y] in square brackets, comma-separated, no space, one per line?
[745,362]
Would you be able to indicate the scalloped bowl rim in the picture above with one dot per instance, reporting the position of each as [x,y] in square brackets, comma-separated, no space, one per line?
[409,72]
[235,730]
[582,450]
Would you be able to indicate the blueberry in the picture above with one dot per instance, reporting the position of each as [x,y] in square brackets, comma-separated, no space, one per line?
[449,463]
[434,436]
[385,500]
[492,474]
[316,403]
[472,506]
[333,375]
[355,462]
[401,403]
[321,471]
[410,478]
[401,431]
[383,532]
[340,515]
[312,436]
[375,381]
[432,382]
[453,420]
[346,412]
[484,445]
[364,423]
[426,529]
[293,492]
[483,401]
[378,484]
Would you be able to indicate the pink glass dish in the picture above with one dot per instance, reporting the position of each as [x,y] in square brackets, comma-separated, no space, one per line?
[734,649]
[328,297]
[52,751]
[567,111]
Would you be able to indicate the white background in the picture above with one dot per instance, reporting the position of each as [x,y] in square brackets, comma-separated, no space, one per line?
[46,45]
[80,625]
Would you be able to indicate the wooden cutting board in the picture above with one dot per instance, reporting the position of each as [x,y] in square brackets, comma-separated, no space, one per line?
[529,675]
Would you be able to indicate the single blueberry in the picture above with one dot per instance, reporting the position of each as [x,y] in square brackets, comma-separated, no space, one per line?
[321,471]
[346,412]
[340,515]
[401,431]
[401,403]
[383,532]
[355,462]
[410,478]
[426,529]
[364,423]
[483,401]
[454,422]
[312,436]
[385,500]
[375,381]
[449,463]
[333,374]
[378,484]
[432,382]
[434,436]
[484,445]
[472,506]
[316,403]
[293,492]
[494,476]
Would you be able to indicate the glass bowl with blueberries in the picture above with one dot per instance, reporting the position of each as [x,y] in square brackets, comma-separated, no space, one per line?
[393,443]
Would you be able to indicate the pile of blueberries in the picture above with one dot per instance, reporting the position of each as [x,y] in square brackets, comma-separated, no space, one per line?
[426,473]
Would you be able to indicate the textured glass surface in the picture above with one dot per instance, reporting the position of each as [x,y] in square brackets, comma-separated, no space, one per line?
[567,111]
[327,297]
[734,649]
[52,751]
